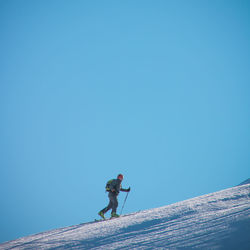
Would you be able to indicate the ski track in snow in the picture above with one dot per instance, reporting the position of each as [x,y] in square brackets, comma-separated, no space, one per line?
[218,220]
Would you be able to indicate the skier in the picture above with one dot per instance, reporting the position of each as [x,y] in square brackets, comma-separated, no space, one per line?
[114,187]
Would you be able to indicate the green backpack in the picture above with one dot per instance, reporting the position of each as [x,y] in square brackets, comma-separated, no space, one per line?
[108,184]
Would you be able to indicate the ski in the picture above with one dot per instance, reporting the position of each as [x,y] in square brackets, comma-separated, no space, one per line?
[111,218]
[97,220]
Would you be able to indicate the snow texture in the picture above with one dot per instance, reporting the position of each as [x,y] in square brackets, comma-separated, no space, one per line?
[218,220]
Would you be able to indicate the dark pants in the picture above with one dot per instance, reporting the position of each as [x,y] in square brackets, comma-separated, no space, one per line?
[113,203]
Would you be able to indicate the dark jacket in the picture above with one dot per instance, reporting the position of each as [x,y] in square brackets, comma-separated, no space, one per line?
[117,187]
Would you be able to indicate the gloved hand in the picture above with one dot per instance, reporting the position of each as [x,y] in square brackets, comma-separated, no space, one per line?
[128,190]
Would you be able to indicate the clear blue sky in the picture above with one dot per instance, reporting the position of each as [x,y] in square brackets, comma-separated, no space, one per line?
[156,90]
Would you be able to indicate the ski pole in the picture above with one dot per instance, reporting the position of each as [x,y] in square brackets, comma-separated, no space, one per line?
[124,202]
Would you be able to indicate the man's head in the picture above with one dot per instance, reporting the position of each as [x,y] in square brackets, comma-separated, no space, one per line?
[120,177]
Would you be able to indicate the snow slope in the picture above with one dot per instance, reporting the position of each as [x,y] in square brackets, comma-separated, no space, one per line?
[218,220]
[245,182]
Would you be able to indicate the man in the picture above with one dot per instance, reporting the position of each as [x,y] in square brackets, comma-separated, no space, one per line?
[113,189]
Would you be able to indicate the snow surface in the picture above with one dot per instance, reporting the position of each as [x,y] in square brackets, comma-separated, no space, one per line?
[218,220]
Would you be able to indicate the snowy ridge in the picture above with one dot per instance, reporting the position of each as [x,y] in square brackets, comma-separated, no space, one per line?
[245,182]
[218,220]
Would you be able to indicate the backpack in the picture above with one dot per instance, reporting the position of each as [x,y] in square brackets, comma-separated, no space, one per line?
[108,184]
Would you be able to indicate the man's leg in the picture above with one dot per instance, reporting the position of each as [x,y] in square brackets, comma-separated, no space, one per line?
[114,205]
[110,205]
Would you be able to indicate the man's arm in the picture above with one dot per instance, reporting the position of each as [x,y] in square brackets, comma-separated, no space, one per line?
[125,190]
[114,187]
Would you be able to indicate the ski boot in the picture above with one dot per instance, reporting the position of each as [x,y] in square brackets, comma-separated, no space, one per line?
[114,215]
[101,214]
